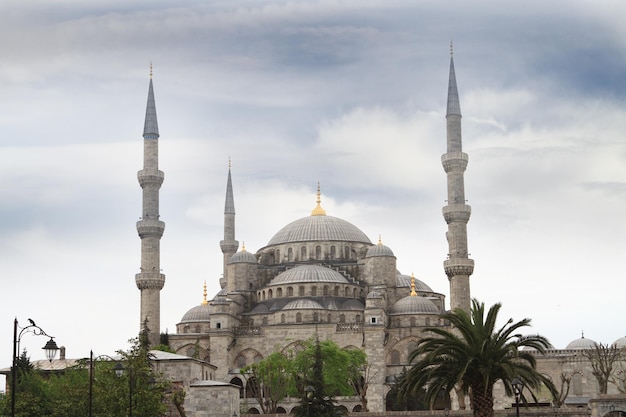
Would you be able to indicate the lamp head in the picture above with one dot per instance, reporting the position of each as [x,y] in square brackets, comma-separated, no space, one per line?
[51,349]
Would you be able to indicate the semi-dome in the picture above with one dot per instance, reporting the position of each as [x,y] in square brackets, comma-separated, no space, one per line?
[379,250]
[413,304]
[197,314]
[581,343]
[405,281]
[309,273]
[352,304]
[303,304]
[243,256]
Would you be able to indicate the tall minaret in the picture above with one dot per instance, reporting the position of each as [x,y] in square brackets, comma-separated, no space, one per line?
[458,266]
[150,280]
[229,245]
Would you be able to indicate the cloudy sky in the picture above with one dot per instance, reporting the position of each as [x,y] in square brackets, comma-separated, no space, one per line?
[348,93]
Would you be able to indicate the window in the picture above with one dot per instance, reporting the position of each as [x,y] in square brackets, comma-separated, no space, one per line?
[279,292]
[373,320]
[332,252]
[342,318]
[298,317]
[303,253]
[290,255]
[318,252]
[301,291]
[282,318]
[314,290]
[289,291]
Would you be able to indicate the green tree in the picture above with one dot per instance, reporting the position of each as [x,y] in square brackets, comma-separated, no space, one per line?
[473,356]
[316,400]
[269,380]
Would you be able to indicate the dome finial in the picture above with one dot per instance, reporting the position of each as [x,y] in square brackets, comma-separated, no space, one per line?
[204,301]
[413,292]
[243,246]
[380,240]
[318,210]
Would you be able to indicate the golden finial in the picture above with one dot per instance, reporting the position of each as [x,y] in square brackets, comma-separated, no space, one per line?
[380,240]
[318,210]
[243,246]
[451,48]
[150,69]
[413,292]
[204,301]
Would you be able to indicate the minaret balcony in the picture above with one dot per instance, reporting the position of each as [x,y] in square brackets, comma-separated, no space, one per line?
[454,161]
[150,177]
[458,266]
[150,280]
[457,213]
[150,227]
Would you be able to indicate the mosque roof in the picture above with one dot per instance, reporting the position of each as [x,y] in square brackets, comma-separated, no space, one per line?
[243,256]
[413,304]
[303,304]
[198,313]
[405,281]
[309,273]
[319,227]
[379,250]
[581,343]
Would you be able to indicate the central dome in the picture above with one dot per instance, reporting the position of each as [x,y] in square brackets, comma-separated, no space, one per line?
[319,228]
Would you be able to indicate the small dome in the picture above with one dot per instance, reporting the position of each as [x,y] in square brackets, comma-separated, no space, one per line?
[243,256]
[405,281]
[581,343]
[413,304]
[379,250]
[197,313]
[303,304]
[310,274]
[620,343]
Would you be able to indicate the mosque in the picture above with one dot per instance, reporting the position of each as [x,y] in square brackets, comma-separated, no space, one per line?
[321,276]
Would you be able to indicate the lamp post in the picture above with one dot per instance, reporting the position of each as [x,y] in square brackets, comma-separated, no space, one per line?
[517,390]
[309,390]
[119,370]
[50,348]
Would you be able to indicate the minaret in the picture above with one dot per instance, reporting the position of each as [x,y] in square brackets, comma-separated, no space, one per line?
[229,245]
[150,280]
[458,266]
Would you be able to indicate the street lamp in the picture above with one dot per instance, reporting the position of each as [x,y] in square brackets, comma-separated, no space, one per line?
[309,395]
[517,390]
[50,349]
[119,370]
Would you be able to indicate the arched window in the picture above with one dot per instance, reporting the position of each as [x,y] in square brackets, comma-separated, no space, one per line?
[395,357]
[336,291]
[314,291]
[347,292]
[278,260]
[289,291]
[342,318]
[198,328]
[303,253]
[270,294]
[346,254]
[328,318]
[298,317]
[282,318]
[264,321]
[326,291]
[240,362]
[427,320]
[290,255]
[279,292]
[301,291]
[413,322]
[357,319]
[239,383]
[354,293]
[332,252]
[318,252]
[316,317]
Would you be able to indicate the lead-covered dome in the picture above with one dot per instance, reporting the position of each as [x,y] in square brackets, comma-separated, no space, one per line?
[319,228]
[309,273]
[581,343]
[405,281]
[243,256]
[197,314]
[620,343]
[379,250]
[413,304]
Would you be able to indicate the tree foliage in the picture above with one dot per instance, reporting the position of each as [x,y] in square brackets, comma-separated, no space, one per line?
[269,380]
[473,357]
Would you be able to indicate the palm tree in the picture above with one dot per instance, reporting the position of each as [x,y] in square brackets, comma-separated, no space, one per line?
[473,356]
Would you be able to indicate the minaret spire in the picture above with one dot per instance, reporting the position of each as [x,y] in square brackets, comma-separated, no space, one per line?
[150,228]
[229,245]
[458,266]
